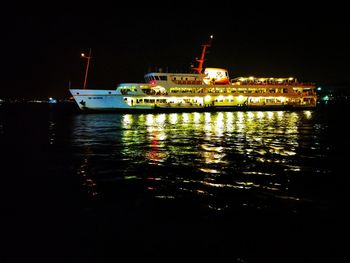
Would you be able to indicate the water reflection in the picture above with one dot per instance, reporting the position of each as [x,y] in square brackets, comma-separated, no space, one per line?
[87,178]
[52,132]
[200,153]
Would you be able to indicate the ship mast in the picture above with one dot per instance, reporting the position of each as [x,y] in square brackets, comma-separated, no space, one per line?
[88,57]
[201,60]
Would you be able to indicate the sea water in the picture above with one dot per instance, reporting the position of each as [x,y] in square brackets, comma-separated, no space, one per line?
[246,186]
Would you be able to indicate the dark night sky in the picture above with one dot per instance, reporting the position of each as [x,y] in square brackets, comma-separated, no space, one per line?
[41,46]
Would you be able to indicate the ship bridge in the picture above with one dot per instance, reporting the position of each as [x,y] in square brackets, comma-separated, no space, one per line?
[171,79]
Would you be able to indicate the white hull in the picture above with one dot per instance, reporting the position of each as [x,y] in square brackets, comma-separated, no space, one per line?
[88,99]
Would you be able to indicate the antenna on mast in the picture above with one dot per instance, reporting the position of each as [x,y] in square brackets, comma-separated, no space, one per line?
[200,61]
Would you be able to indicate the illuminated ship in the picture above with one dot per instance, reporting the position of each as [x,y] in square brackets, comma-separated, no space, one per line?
[211,89]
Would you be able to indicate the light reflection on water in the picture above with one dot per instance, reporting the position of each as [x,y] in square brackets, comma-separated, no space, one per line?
[254,153]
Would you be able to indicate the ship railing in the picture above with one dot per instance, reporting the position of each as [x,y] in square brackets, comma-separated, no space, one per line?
[271,84]
[266,83]
[155,93]
[306,93]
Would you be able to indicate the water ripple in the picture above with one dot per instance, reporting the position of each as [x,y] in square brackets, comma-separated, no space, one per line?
[207,155]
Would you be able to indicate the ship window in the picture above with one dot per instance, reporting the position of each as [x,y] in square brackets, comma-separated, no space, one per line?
[163,78]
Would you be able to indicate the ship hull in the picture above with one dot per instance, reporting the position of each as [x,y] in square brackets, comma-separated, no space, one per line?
[110,101]
[103,100]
